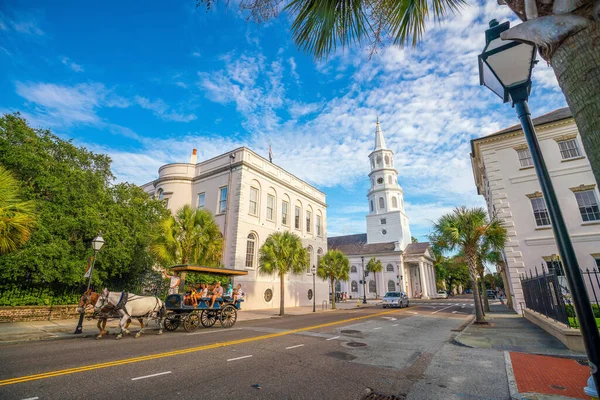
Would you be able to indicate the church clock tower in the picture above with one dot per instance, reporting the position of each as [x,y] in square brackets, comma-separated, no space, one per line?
[387,220]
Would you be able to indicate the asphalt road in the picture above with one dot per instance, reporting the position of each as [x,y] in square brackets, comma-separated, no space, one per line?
[334,355]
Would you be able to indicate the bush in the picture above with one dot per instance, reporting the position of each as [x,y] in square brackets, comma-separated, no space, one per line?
[571,310]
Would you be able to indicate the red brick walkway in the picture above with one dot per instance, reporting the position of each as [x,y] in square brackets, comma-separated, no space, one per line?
[549,375]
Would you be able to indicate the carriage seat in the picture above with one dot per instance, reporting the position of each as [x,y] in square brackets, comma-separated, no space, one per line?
[227,299]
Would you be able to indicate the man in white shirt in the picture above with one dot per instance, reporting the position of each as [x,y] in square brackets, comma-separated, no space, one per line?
[174,284]
[239,294]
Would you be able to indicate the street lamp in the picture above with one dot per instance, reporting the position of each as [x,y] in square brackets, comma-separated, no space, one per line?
[505,68]
[97,244]
[364,281]
[313,269]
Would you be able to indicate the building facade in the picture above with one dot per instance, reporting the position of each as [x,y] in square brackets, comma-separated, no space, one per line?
[505,177]
[407,267]
[251,198]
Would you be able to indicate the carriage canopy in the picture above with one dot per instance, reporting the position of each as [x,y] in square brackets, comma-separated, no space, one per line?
[183,269]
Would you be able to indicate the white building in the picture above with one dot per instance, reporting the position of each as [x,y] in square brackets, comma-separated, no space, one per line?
[407,266]
[505,176]
[251,198]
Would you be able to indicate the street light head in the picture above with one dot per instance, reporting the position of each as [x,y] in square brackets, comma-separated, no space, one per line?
[505,65]
[313,269]
[98,242]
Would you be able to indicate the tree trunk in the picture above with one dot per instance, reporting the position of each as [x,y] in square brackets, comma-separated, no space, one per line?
[282,294]
[375,278]
[486,302]
[472,263]
[509,303]
[332,295]
[576,63]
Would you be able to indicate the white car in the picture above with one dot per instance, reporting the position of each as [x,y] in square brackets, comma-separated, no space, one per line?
[442,295]
[395,299]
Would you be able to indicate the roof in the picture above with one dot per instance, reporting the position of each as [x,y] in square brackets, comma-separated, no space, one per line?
[207,270]
[553,116]
[357,244]
[414,249]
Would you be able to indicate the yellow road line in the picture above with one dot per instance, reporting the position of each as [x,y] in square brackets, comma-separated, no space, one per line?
[115,363]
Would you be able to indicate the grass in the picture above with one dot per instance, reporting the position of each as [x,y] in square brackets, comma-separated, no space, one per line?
[573,322]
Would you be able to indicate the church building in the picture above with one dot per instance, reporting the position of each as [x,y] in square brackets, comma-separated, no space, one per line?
[407,266]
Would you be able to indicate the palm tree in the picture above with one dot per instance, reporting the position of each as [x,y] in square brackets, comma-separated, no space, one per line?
[17,217]
[191,236]
[282,253]
[375,266]
[465,230]
[334,266]
[497,258]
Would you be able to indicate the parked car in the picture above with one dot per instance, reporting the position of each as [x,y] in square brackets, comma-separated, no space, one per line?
[395,299]
[468,291]
[442,294]
[491,294]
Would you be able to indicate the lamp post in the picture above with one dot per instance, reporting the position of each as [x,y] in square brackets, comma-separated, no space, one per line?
[313,269]
[97,244]
[505,68]
[362,259]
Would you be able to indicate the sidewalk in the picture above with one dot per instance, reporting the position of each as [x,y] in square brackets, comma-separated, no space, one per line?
[14,332]
[538,365]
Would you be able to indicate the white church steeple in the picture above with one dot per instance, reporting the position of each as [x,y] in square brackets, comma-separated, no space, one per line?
[386,221]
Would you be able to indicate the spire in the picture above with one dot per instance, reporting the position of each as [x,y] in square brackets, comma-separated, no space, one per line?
[379,140]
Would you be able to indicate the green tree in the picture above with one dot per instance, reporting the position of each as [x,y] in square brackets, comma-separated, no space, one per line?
[281,254]
[465,229]
[334,266]
[375,266]
[17,217]
[191,236]
[414,239]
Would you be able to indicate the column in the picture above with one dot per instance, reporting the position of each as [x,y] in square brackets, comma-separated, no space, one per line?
[423,278]
[432,275]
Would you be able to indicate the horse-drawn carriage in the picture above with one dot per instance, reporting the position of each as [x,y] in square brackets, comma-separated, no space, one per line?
[181,312]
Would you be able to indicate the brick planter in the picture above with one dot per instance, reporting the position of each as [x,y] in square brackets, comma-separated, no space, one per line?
[37,313]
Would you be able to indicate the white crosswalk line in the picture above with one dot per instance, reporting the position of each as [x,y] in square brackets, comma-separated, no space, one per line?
[239,358]
[331,338]
[150,376]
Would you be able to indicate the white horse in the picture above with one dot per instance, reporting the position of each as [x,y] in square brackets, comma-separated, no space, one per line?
[142,308]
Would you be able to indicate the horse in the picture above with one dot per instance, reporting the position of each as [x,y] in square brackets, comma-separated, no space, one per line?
[130,305]
[87,302]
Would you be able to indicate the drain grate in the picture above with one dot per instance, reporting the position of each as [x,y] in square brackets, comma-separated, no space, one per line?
[583,362]
[356,344]
[350,332]
[381,396]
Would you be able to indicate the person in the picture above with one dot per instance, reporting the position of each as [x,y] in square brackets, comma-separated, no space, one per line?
[238,294]
[229,291]
[216,293]
[189,298]
[345,298]
[174,283]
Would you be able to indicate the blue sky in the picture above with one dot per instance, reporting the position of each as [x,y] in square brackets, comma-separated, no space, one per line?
[145,82]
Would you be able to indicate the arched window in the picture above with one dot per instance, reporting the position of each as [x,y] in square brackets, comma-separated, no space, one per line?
[371,286]
[387,161]
[354,287]
[372,209]
[353,269]
[319,255]
[338,287]
[394,202]
[379,161]
[381,203]
[390,179]
[250,250]
[391,286]
[310,252]
[160,195]
[389,268]
[372,163]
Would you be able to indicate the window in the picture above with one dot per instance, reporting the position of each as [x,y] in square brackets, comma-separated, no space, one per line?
[371,286]
[297,218]
[338,286]
[250,250]
[381,203]
[318,225]
[372,163]
[270,207]
[380,181]
[383,221]
[284,212]
[555,267]
[253,208]
[319,255]
[540,212]
[387,160]
[389,268]
[379,161]
[308,220]
[391,286]
[525,158]
[588,205]
[310,252]
[390,179]
[353,268]
[597,259]
[160,195]
[372,206]
[354,287]
[201,197]
[222,199]
[394,202]
[569,149]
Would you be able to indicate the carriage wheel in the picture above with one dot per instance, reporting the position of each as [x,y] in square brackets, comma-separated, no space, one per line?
[228,316]
[208,318]
[191,322]
[172,321]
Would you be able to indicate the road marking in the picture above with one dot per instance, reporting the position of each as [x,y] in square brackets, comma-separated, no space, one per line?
[293,347]
[390,318]
[331,338]
[454,312]
[239,358]
[413,312]
[50,374]
[212,331]
[472,305]
[151,376]
[442,309]
[395,325]
[377,328]
[31,398]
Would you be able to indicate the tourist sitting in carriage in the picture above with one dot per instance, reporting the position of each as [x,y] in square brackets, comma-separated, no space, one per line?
[201,291]
[217,293]
[189,299]
[238,293]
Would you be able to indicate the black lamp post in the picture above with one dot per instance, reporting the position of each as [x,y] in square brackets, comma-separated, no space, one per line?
[97,244]
[313,269]
[505,68]
[364,281]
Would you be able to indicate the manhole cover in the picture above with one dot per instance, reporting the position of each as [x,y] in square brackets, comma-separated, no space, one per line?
[350,332]
[380,396]
[340,355]
[558,387]
[355,344]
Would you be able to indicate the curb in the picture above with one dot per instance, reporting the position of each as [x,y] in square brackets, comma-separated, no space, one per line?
[510,375]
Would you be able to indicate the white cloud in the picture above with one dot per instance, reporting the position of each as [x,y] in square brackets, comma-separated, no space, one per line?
[74,66]
[162,110]
[196,54]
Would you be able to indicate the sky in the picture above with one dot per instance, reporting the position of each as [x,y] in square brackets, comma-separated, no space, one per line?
[146,82]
